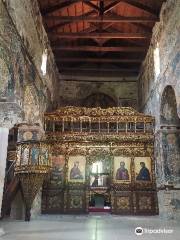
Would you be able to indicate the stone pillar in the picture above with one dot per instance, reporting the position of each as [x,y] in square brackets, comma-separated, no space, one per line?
[3,155]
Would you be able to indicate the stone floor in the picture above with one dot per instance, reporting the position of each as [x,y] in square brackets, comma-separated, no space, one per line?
[92,227]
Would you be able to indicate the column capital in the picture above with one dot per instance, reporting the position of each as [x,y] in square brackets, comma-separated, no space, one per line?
[10,114]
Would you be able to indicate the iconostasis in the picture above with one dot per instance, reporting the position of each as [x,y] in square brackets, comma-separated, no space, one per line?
[125,184]
[102,160]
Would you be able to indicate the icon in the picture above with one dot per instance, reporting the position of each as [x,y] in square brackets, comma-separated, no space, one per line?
[139,231]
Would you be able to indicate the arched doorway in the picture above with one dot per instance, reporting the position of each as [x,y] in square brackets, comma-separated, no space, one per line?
[170,136]
[99,173]
[99,100]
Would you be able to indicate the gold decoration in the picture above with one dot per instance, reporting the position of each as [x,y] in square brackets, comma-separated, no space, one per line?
[145,203]
[120,114]
[123,203]
[27,136]
[95,146]
[31,167]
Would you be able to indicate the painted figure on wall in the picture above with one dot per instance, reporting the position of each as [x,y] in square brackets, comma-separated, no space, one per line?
[122,172]
[44,156]
[144,174]
[171,153]
[75,172]
[169,114]
[25,156]
[57,176]
[34,155]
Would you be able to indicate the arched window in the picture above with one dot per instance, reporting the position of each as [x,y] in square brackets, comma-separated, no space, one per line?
[44,62]
[156,62]
[97,167]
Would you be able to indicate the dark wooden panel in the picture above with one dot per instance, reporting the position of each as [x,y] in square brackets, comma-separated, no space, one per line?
[76,201]
[146,203]
[122,203]
[52,201]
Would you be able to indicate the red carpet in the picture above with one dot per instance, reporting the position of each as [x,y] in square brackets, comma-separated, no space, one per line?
[95,209]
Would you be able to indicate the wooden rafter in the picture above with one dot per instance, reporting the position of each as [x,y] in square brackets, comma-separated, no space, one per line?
[62,24]
[112,5]
[60,6]
[111,40]
[102,35]
[99,49]
[97,60]
[141,6]
[64,4]
[103,69]
[87,18]
[92,5]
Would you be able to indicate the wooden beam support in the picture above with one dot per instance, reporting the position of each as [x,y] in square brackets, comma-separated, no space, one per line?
[101,69]
[97,60]
[101,8]
[92,5]
[62,24]
[112,5]
[64,4]
[60,6]
[99,49]
[101,35]
[99,81]
[88,18]
[142,7]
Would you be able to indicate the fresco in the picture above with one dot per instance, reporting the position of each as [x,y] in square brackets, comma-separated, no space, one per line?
[159,161]
[5,75]
[171,155]
[99,100]
[169,107]
[17,69]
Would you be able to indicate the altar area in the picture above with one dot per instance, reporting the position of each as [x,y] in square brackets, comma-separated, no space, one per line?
[102,160]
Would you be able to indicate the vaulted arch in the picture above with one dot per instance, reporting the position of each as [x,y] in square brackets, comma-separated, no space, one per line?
[169,114]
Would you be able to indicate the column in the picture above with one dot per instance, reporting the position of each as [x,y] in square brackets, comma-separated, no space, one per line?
[3,155]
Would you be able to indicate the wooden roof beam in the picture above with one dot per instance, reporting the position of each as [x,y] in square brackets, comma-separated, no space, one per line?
[87,18]
[92,5]
[102,35]
[141,6]
[64,4]
[97,60]
[110,6]
[62,24]
[60,6]
[102,69]
[99,49]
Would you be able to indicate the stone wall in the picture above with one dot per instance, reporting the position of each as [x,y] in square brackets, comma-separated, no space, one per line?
[79,93]
[25,93]
[159,95]
[167,34]
[22,42]
[28,22]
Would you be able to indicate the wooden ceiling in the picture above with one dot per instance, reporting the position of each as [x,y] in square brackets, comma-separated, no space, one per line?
[108,36]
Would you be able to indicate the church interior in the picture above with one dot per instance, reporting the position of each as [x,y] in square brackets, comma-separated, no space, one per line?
[89,117]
